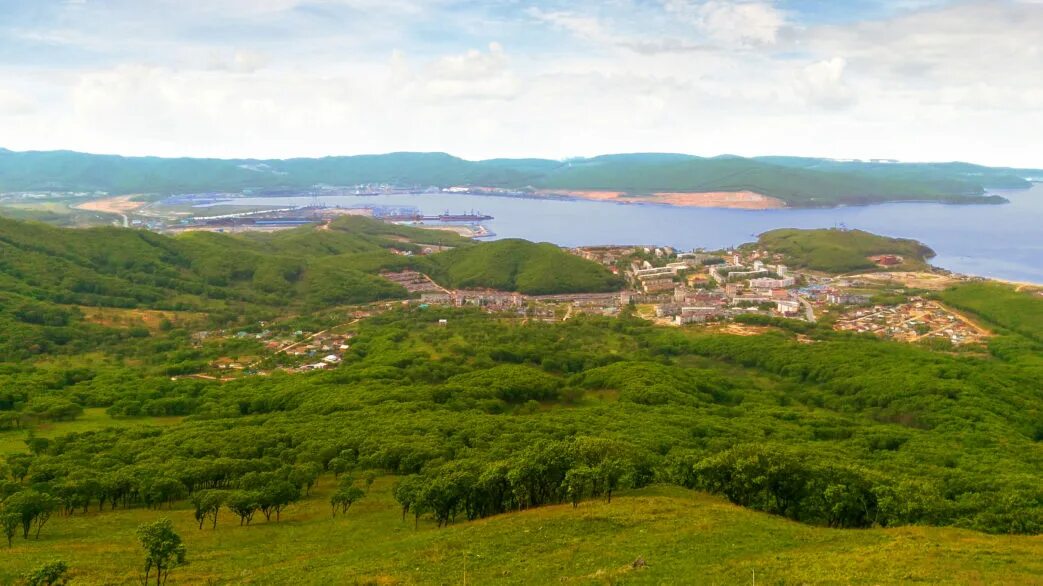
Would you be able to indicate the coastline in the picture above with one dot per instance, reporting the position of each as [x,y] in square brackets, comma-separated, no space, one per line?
[1018,285]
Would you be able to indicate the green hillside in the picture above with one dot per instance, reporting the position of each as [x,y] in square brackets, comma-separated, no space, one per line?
[797,181]
[842,251]
[859,432]
[519,265]
[679,534]
[939,173]
[47,273]
[1003,306]
[794,185]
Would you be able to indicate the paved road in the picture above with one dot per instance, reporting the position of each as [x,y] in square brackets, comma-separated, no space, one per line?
[809,311]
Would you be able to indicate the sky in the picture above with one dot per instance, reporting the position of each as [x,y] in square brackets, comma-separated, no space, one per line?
[915,80]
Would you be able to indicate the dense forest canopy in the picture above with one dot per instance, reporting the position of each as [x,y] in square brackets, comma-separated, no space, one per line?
[959,435]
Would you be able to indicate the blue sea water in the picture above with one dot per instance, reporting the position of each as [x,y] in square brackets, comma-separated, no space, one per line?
[997,241]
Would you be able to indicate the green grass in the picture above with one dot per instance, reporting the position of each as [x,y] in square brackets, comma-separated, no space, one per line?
[93,419]
[684,536]
[1000,305]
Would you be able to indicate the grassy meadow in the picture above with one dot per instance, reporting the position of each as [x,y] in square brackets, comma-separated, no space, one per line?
[93,419]
[683,536]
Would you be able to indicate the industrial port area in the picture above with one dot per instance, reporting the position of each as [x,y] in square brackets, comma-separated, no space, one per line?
[247,211]
[466,224]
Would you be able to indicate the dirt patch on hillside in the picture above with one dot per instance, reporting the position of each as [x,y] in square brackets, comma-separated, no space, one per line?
[738,329]
[745,200]
[911,279]
[120,204]
[148,318]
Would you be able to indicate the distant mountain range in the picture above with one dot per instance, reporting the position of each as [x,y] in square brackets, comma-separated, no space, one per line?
[798,181]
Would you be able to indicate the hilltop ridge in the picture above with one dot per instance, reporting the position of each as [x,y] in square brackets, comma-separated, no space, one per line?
[797,181]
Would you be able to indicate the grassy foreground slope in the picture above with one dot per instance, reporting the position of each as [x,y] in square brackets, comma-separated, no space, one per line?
[841,251]
[798,181]
[683,536]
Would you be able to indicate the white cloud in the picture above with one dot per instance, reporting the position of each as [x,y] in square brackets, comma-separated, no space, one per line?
[822,84]
[240,61]
[750,23]
[589,28]
[470,75]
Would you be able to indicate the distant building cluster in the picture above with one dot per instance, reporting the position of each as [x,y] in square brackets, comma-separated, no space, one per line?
[917,320]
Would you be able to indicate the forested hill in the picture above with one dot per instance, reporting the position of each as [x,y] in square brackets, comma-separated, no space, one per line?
[842,251]
[47,272]
[519,265]
[797,181]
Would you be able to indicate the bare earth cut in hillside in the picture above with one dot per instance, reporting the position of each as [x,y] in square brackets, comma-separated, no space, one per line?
[745,200]
[120,205]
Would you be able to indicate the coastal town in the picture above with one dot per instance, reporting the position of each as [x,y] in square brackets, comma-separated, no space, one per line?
[737,290]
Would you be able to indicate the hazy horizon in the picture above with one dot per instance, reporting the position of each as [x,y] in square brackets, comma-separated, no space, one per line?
[560,159]
[912,80]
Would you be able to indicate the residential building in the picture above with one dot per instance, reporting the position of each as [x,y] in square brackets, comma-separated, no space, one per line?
[772,283]
[653,285]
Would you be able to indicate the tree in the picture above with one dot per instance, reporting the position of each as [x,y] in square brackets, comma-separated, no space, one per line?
[344,498]
[208,505]
[163,548]
[244,504]
[33,509]
[406,493]
[275,496]
[305,475]
[77,491]
[49,574]
[9,522]
[338,466]
[163,490]
[610,474]
[577,483]
[443,494]
[19,465]
[36,445]
[843,496]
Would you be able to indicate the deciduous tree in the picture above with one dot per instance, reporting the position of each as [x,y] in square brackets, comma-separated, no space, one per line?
[163,549]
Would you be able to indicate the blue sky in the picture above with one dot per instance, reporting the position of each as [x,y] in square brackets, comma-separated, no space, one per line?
[909,79]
